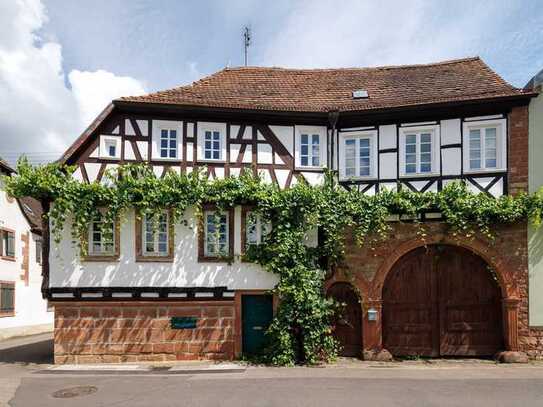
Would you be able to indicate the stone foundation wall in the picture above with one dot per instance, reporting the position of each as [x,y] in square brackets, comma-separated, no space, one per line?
[116,332]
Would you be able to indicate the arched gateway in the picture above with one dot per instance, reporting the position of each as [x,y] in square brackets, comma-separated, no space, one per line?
[348,326]
[442,300]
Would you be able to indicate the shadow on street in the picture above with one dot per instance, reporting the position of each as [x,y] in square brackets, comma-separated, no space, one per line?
[39,352]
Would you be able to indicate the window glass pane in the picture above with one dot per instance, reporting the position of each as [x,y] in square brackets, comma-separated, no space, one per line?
[304,139]
[425,167]
[304,161]
[425,138]
[164,134]
[410,168]
[411,139]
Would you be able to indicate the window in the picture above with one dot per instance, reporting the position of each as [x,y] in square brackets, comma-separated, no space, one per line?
[485,145]
[155,235]
[168,143]
[482,148]
[7,299]
[110,147]
[216,242]
[310,146]
[38,250]
[255,229]
[357,155]
[309,150]
[418,151]
[212,145]
[7,243]
[101,237]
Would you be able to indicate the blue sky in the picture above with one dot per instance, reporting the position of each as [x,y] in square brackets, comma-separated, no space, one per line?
[61,61]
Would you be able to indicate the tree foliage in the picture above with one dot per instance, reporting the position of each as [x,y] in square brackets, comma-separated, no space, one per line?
[301,329]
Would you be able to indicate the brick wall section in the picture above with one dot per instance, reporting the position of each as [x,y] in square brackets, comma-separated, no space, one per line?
[362,266]
[25,240]
[518,150]
[135,332]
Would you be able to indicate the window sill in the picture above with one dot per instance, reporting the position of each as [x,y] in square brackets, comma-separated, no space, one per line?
[311,168]
[166,159]
[108,157]
[347,179]
[212,160]
[154,259]
[485,171]
[8,258]
[420,175]
[112,258]
[209,259]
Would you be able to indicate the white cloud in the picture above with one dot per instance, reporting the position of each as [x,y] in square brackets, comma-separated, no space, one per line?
[388,32]
[39,112]
[94,90]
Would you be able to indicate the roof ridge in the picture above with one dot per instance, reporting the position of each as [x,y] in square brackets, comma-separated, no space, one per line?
[353,68]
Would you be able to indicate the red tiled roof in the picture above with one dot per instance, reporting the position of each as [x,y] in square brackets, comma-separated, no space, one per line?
[322,90]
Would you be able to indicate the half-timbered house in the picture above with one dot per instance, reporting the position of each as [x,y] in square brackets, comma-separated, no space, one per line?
[417,127]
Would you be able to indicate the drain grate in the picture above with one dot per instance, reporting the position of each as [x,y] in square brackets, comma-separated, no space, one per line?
[76,391]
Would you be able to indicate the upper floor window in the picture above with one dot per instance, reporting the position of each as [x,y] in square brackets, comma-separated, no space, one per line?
[212,145]
[7,298]
[168,143]
[7,243]
[357,154]
[484,146]
[101,237]
[310,150]
[216,231]
[167,140]
[310,146]
[155,235]
[418,151]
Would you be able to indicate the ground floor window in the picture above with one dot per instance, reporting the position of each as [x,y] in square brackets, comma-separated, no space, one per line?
[7,299]
[7,243]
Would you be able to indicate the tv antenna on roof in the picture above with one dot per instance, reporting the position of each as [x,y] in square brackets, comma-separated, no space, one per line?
[246,41]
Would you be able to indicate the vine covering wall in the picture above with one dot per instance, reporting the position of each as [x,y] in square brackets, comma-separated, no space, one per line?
[301,329]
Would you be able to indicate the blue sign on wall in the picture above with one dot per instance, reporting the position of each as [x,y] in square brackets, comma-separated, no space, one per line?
[183,322]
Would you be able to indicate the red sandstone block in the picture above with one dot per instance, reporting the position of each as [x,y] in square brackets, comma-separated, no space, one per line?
[138,348]
[88,359]
[63,359]
[66,312]
[184,312]
[211,334]
[90,312]
[209,322]
[110,359]
[105,323]
[186,356]
[181,347]
[227,312]
[111,312]
[163,348]
[173,335]
[150,358]
[211,311]
[227,322]
[162,323]
[138,322]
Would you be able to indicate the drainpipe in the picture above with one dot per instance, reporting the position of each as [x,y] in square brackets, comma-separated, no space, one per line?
[333,117]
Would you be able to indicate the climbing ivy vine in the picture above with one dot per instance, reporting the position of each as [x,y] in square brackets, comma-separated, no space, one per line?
[301,329]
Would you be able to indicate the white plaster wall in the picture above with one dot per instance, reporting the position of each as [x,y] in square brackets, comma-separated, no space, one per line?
[68,271]
[30,307]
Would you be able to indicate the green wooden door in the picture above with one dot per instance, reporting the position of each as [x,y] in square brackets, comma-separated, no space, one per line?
[257,314]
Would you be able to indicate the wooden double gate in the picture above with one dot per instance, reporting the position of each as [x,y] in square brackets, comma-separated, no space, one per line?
[442,301]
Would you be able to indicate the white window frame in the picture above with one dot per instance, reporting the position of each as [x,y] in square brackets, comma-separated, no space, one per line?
[105,142]
[262,228]
[169,138]
[102,252]
[158,126]
[204,127]
[357,135]
[216,252]
[310,130]
[501,145]
[156,233]
[434,130]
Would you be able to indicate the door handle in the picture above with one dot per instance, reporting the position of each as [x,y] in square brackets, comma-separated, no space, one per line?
[257,328]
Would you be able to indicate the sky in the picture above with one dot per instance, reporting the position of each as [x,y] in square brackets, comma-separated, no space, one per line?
[63,61]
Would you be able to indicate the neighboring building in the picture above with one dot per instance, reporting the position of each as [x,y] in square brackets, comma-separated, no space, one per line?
[23,311]
[535,236]
[417,127]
